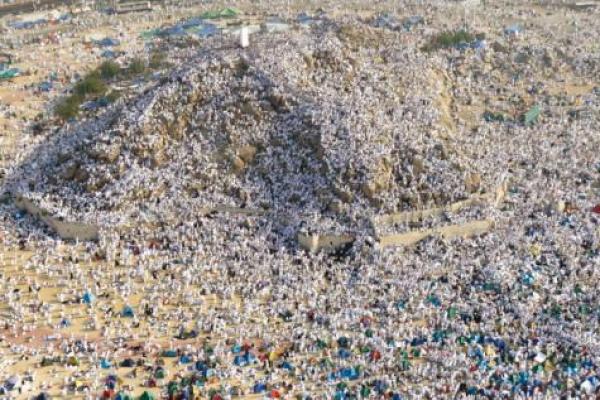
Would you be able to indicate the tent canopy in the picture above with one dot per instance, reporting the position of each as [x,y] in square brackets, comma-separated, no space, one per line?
[9,73]
[146,396]
[228,12]
[531,116]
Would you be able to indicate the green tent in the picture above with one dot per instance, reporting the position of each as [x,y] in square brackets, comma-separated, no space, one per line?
[365,391]
[451,312]
[9,73]
[489,116]
[228,12]
[172,388]
[531,116]
[146,396]
[123,396]
[169,353]
[159,373]
[150,34]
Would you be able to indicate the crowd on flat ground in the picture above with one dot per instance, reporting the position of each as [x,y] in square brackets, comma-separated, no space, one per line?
[320,130]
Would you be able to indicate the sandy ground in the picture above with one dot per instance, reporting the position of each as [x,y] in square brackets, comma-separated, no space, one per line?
[69,56]
[30,340]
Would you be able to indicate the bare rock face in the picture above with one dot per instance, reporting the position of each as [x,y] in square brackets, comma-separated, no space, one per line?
[279,102]
[62,157]
[370,190]
[69,171]
[159,159]
[107,153]
[238,164]
[336,206]
[179,126]
[473,182]
[247,153]
[81,175]
[418,166]
[548,59]
[344,195]
[380,180]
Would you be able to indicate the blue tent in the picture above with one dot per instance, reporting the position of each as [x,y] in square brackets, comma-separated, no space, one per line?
[380,386]
[107,42]
[127,363]
[111,382]
[350,373]
[411,21]
[259,387]
[185,359]
[344,353]
[513,30]
[169,353]
[127,312]
[418,341]
[88,298]
[173,31]
[243,360]
[305,19]
[201,367]
[343,342]
[400,305]
[527,279]
[386,21]
[240,361]
[192,22]
[105,364]
[479,45]
[205,30]
[108,54]
[287,365]
[45,86]
[27,24]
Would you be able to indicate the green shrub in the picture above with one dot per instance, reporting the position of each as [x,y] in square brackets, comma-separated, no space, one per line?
[109,69]
[91,84]
[490,116]
[113,96]
[448,39]
[157,60]
[69,106]
[136,66]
